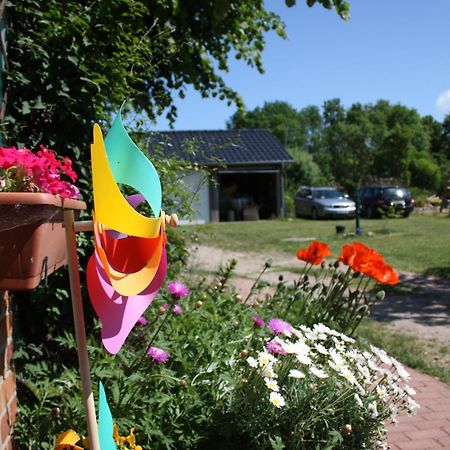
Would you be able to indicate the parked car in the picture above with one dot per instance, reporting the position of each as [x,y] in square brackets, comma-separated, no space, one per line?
[376,200]
[322,202]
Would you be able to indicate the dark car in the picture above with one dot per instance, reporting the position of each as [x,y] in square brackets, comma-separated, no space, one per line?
[377,200]
[321,202]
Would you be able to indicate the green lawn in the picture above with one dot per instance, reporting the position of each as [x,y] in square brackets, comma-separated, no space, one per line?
[418,244]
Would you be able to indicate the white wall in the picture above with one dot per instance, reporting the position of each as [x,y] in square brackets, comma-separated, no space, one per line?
[195,182]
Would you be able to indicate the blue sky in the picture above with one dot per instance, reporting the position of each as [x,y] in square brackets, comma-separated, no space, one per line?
[398,50]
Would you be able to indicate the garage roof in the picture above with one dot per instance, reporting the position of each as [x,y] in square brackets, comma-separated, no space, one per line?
[229,147]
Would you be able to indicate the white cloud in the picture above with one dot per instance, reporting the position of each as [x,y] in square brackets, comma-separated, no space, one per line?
[443,101]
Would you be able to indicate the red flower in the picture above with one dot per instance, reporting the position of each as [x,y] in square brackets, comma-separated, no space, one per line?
[369,262]
[383,273]
[315,253]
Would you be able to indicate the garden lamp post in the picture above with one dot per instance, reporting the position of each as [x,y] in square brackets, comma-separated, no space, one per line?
[358,230]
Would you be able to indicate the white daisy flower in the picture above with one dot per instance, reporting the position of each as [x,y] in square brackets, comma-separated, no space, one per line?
[321,349]
[252,362]
[304,359]
[268,372]
[277,399]
[294,373]
[402,373]
[265,358]
[311,335]
[358,400]
[321,328]
[319,373]
[372,407]
[271,384]
[409,390]
[348,375]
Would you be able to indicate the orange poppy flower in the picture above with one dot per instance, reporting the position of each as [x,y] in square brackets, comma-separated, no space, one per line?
[315,253]
[383,273]
[369,262]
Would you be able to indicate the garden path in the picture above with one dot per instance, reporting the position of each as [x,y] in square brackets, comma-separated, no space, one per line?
[422,310]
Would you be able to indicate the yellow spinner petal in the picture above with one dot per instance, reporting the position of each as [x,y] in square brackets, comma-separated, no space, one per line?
[67,441]
[116,436]
[131,439]
[111,207]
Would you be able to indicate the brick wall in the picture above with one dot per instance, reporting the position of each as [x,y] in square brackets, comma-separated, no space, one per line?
[8,400]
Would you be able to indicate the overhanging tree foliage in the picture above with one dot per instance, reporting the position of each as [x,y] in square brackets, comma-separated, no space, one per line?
[75,61]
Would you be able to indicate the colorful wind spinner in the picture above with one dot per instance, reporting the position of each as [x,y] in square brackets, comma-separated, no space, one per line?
[129,262]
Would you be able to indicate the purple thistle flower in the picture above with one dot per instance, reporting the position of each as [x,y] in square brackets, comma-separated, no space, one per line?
[142,321]
[276,348]
[177,310]
[177,289]
[258,321]
[165,306]
[279,326]
[158,355]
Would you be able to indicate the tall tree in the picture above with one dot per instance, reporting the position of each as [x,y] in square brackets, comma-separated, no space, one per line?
[278,117]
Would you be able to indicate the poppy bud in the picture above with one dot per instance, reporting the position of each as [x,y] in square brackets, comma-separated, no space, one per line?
[346,430]
[362,309]
[380,295]
[268,264]
[280,277]
[336,264]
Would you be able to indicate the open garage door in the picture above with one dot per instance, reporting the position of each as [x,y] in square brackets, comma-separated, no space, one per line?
[248,195]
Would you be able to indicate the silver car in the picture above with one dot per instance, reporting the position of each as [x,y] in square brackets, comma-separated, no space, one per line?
[322,202]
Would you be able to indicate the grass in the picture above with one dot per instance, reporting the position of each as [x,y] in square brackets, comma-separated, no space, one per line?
[425,356]
[419,244]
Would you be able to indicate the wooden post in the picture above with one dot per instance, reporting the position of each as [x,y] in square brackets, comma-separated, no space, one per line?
[80,332]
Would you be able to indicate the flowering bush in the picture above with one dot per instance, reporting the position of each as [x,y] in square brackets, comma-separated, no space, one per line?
[21,170]
[208,369]
[320,382]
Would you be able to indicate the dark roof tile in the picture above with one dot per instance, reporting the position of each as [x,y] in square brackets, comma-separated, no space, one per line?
[246,146]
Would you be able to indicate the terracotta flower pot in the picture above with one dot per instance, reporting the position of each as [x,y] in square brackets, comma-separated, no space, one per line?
[32,237]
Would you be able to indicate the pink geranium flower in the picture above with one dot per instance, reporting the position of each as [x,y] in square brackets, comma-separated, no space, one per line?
[158,355]
[177,289]
[21,170]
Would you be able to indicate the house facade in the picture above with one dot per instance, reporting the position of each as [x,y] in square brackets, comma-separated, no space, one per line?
[247,171]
